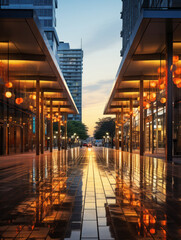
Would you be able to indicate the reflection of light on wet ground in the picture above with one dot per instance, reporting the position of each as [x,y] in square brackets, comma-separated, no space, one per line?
[91,193]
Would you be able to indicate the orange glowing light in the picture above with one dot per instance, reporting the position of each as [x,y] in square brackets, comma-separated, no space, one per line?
[147,105]
[144,104]
[19,100]
[31,107]
[176,80]
[8,94]
[179,85]
[34,97]
[138,98]
[152,97]
[152,220]
[161,80]
[162,86]
[163,100]
[175,59]
[138,108]
[163,222]
[161,70]
[9,85]
[144,94]
[153,84]
[152,231]
[178,71]
[148,97]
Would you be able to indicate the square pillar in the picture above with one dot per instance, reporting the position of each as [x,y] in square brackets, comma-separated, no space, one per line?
[152,130]
[65,134]
[141,119]
[122,129]
[117,132]
[131,125]
[37,127]
[51,126]
[42,123]
[169,89]
[59,128]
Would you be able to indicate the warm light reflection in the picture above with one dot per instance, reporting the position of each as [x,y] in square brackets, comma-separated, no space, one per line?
[123,187]
[130,174]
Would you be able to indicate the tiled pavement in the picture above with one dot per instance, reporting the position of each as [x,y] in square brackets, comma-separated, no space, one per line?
[89,194]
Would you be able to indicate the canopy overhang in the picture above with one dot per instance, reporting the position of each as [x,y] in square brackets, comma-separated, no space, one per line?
[142,57]
[30,58]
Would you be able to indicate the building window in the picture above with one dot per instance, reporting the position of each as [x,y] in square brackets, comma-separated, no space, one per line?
[49,35]
[4,2]
[19,2]
[42,2]
[46,23]
[44,12]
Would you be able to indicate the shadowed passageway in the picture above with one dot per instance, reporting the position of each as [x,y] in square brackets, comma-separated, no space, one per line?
[92,193]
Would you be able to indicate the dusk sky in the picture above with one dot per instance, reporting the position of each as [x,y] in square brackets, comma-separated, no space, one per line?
[98,23]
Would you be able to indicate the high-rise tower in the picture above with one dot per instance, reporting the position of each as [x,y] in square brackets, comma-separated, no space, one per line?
[71,64]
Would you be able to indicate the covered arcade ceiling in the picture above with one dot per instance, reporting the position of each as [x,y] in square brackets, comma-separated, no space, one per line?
[143,57]
[26,56]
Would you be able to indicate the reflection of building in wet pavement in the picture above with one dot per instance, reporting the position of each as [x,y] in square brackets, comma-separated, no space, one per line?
[142,209]
[45,208]
[89,194]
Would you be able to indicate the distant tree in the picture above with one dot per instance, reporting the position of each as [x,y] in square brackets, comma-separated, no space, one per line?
[74,127]
[77,127]
[103,126]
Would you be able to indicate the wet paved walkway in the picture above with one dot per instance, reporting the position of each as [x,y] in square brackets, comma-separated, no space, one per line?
[89,194]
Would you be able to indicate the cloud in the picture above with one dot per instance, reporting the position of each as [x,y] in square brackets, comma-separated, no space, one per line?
[104,37]
[97,93]
[97,86]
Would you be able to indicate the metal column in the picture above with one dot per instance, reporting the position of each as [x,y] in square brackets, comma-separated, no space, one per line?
[42,122]
[131,125]
[65,134]
[152,129]
[141,119]
[51,126]
[117,132]
[122,130]
[37,117]
[59,128]
[169,87]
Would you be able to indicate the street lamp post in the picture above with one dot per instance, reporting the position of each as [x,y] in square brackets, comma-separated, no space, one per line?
[107,139]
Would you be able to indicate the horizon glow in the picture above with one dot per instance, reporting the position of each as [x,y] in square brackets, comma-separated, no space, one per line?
[98,24]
